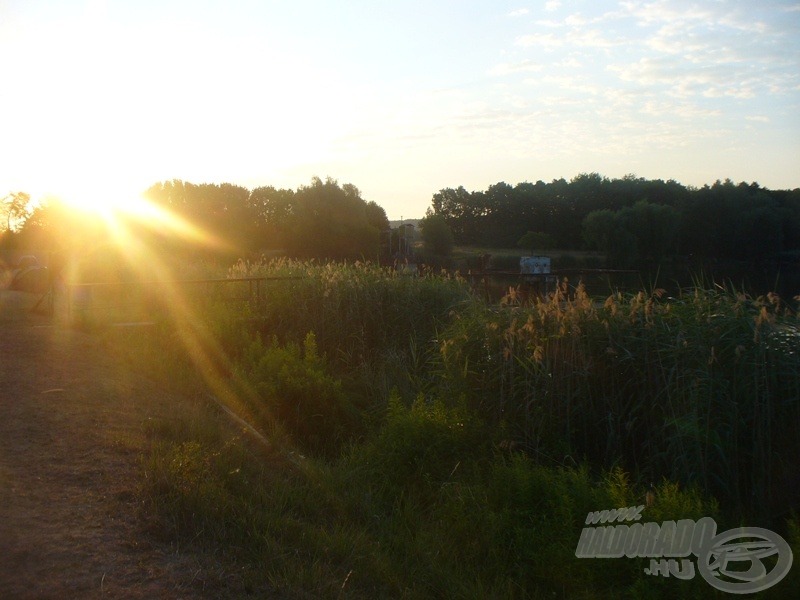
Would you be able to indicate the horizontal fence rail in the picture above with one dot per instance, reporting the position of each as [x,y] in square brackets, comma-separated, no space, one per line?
[142,300]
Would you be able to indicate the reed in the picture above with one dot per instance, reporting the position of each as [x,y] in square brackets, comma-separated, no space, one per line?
[702,388]
[454,447]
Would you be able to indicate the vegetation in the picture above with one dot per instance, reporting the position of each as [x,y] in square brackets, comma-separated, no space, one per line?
[322,220]
[425,443]
[418,441]
[437,236]
[14,205]
[535,240]
[634,222]
[637,221]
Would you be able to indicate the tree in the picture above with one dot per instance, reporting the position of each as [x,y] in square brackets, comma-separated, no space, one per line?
[16,207]
[598,229]
[534,240]
[329,221]
[462,211]
[54,226]
[437,235]
[272,208]
[655,228]
[376,216]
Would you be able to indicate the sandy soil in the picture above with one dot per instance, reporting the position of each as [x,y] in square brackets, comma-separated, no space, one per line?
[71,440]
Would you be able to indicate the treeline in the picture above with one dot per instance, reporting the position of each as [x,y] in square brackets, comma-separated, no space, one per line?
[630,219]
[322,220]
[633,221]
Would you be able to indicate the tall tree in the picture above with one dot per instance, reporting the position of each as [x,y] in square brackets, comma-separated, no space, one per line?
[437,235]
[15,206]
[331,222]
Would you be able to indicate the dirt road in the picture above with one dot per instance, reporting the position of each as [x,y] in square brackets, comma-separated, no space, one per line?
[71,439]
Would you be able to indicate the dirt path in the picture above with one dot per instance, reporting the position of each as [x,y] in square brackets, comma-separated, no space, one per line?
[71,438]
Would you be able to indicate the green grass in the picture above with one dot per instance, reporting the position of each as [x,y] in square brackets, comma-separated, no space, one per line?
[426,444]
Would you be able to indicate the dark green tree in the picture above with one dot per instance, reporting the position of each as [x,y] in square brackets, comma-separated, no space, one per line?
[654,227]
[376,216]
[272,208]
[598,229]
[329,221]
[437,235]
[536,240]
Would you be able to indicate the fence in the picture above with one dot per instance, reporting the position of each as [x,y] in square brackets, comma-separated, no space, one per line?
[146,301]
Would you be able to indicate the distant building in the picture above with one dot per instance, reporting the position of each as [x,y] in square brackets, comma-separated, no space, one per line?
[403,240]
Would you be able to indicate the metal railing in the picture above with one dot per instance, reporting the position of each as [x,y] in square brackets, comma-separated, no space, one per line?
[137,299]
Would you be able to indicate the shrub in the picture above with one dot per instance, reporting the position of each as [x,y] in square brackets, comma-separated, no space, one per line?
[437,235]
[296,388]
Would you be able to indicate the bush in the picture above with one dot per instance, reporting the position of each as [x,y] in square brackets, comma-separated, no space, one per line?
[297,389]
[437,235]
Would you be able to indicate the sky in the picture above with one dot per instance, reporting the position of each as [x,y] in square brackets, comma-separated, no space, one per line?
[401,99]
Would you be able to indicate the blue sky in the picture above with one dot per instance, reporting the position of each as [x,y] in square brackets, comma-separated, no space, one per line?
[399,98]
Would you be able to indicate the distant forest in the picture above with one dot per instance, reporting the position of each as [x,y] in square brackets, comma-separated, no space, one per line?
[632,220]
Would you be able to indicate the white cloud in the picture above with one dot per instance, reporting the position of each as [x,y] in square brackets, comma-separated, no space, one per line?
[758,118]
[523,66]
[519,12]
[683,110]
[552,5]
[548,40]
[549,24]
[569,63]
[590,38]
[575,20]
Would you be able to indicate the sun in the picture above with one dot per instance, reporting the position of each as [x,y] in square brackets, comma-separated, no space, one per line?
[107,205]
[124,215]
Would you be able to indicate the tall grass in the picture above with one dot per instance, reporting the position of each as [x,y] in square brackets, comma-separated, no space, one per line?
[702,389]
[368,321]
[428,506]
[453,448]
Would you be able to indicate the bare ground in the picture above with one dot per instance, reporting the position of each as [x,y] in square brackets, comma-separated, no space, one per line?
[72,433]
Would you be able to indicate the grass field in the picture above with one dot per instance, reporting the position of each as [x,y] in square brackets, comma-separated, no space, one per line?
[425,443]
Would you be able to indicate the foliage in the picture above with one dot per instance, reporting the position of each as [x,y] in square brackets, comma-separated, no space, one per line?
[332,222]
[376,217]
[642,233]
[15,206]
[461,445]
[700,389]
[428,506]
[53,226]
[294,386]
[535,240]
[437,236]
[367,319]
[223,211]
[321,220]
[723,221]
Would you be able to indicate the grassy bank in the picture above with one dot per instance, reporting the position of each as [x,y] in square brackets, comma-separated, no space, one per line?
[426,444]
